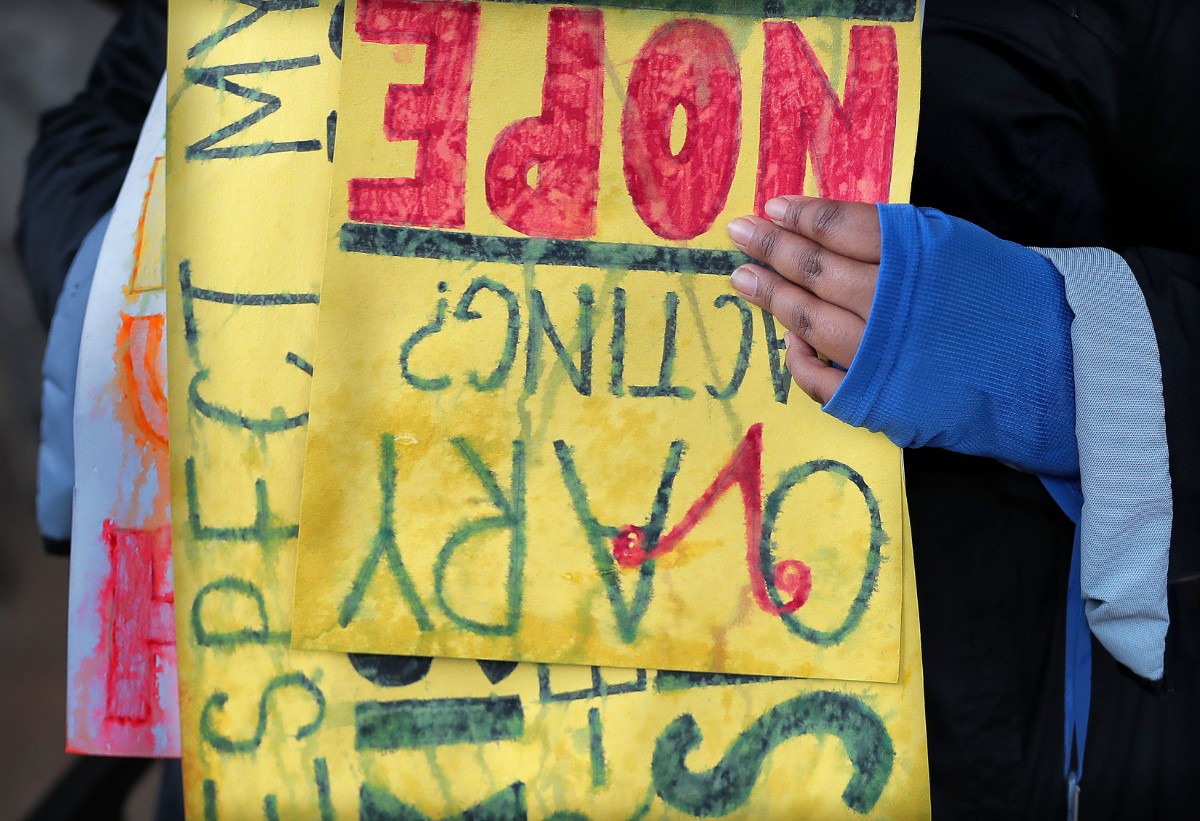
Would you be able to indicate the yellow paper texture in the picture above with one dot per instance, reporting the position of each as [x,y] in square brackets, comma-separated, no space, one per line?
[274,732]
[466,480]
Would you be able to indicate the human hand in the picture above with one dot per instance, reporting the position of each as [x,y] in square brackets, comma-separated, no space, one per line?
[824,262]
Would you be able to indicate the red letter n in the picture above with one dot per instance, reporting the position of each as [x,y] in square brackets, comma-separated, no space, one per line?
[563,144]
[850,142]
[433,113]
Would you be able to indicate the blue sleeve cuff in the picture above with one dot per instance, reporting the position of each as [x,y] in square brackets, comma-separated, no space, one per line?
[967,346]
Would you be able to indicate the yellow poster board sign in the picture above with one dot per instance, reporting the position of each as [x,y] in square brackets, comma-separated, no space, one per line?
[544,427]
[274,732]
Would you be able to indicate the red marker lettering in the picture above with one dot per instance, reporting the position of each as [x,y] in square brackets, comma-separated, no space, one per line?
[850,142]
[688,65]
[791,577]
[433,113]
[141,619]
[562,144]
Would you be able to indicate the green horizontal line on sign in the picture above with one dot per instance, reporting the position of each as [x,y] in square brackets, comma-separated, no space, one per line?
[426,243]
[416,723]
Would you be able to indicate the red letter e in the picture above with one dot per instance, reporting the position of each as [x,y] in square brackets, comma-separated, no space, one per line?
[433,113]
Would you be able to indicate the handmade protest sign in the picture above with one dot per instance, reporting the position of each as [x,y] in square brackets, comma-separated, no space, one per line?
[122,694]
[544,427]
[275,732]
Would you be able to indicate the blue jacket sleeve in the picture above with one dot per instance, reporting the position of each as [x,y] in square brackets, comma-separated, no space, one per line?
[967,347]
[1046,360]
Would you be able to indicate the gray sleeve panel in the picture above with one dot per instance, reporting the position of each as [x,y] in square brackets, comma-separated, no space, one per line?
[1125,528]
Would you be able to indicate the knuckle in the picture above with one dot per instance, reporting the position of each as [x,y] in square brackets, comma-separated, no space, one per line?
[826,220]
[767,240]
[810,262]
[800,319]
[766,290]
[794,211]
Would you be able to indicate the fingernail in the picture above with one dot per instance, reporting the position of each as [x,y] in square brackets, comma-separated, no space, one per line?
[788,339]
[741,230]
[776,208]
[744,280]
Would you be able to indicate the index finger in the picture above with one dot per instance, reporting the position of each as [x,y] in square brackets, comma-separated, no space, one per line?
[847,228]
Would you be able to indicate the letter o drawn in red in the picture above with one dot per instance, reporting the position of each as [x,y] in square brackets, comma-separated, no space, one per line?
[688,64]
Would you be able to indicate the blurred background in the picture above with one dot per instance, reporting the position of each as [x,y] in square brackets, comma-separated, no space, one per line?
[45,52]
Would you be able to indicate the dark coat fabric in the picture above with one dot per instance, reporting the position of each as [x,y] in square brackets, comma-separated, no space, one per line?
[1059,124]
[84,148]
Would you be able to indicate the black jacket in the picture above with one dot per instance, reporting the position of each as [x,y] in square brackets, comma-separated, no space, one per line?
[84,148]
[1059,124]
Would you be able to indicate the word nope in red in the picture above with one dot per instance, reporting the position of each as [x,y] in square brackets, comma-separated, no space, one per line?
[686,65]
